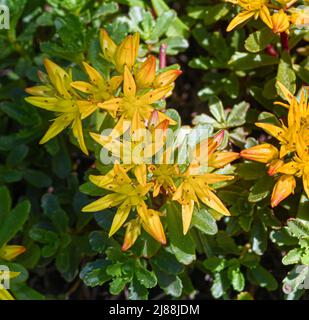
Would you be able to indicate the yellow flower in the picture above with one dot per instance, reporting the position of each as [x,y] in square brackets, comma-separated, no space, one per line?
[282,189]
[8,253]
[264,153]
[163,176]
[295,135]
[59,98]
[138,149]
[251,8]
[127,195]
[197,187]
[134,109]
[299,17]
[298,167]
[99,89]
[4,293]
[123,55]
[281,22]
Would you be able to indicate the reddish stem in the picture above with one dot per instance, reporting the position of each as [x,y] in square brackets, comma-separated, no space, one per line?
[270,50]
[162,56]
[284,41]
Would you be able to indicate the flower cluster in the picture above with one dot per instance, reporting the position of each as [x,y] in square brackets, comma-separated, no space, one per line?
[132,96]
[8,253]
[292,159]
[278,15]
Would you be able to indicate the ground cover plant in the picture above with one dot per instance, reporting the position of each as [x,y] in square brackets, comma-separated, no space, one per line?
[154,149]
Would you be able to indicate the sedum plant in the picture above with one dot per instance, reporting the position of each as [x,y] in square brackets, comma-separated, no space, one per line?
[154,149]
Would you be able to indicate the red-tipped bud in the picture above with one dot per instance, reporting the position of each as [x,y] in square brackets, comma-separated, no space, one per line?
[282,189]
[261,153]
[274,166]
[146,74]
[166,78]
[221,159]
[132,232]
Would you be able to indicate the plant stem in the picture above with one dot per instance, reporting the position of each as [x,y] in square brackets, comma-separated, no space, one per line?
[284,41]
[162,56]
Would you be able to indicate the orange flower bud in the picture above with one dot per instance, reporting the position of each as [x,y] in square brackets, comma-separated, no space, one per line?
[39,91]
[261,153]
[146,73]
[126,52]
[108,46]
[282,189]
[10,252]
[166,78]
[280,22]
[221,159]
[274,166]
[132,232]
[210,144]
[152,225]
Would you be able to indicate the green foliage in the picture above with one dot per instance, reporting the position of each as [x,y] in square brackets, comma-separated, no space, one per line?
[42,189]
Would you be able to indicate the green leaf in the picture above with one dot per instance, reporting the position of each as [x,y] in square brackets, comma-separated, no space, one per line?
[145,277]
[216,109]
[182,246]
[14,222]
[282,237]
[117,285]
[237,278]
[237,116]
[5,202]
[17,155]
[214,264]
[258,237]
[210,14]
[303,209]
[247,61]
[37,178]
[178,28]
[16,267]
[295,279]
[244,296]
[286,75]
[91,189]
[250,170]
[261,189]
[94,273]
[220,285]
[264,278]
[170,284]
[163,23]
[22,292]
[292,257]
[298,227]
[137,291]
[204,221]
[226,243]
[167,262]
[54,212]
[258,41]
